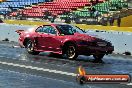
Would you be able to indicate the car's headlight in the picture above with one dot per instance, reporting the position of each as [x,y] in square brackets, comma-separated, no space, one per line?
[102,43]
[92,44]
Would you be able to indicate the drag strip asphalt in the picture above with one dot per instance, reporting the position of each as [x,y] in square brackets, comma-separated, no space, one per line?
[54,67]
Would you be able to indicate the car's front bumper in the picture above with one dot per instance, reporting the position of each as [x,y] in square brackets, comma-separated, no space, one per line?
[90,50]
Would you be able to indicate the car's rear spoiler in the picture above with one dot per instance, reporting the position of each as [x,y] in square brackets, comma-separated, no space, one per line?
[19,31]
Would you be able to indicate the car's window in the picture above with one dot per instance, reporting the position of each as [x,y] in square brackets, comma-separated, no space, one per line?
[43,29]
[39,29]
[51,30]
[68,29]
[46,29]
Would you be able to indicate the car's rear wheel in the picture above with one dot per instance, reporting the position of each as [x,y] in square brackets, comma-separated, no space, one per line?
[70,52]
[30,48]
[98,57]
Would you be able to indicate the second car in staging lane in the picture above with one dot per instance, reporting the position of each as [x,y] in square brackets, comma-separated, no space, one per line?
[65,39]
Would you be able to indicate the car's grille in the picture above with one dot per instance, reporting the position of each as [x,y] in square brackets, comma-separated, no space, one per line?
[100,44]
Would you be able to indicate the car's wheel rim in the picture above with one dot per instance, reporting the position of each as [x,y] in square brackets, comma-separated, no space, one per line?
[71,52]
[30,47]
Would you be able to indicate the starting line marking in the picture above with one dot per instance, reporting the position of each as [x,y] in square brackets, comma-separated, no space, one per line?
[38,69]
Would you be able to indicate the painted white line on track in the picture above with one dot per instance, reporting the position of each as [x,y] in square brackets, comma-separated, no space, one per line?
[42,69]
[16,46]
[129,84]
[38,69]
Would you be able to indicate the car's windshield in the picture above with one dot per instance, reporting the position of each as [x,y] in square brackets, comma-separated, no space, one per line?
[69,29]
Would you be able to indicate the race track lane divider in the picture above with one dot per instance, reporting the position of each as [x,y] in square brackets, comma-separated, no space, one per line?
[38,69]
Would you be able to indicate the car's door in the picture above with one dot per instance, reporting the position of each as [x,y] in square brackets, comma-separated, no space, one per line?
[42,38]
[54,41]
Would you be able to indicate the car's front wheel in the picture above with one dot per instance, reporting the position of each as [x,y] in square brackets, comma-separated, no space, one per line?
[30,48]
[98,57]
[70,52]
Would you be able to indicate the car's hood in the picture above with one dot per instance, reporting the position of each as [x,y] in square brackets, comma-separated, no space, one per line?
[85,37]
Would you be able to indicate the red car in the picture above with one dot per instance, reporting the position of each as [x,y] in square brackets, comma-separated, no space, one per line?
[65,39]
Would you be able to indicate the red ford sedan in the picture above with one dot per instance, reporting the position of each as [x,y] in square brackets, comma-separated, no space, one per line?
[64,39]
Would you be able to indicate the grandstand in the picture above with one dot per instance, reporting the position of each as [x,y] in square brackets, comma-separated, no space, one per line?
[106,7]
[18,4]
[59,6]
[55,7]
[78,9]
